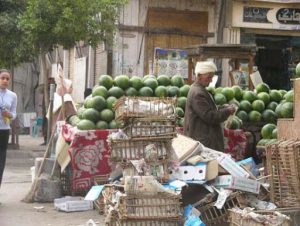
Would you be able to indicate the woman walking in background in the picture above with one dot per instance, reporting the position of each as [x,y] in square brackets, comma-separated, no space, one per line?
[8,106]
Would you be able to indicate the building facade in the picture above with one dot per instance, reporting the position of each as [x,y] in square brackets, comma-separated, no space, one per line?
[274,27]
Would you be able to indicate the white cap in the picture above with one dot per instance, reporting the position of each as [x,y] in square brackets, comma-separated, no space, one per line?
[204,67]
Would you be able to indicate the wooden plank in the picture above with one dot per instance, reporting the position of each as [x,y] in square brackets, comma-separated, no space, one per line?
[289,128]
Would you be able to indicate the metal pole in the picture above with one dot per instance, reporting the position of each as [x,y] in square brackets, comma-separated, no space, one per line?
[49,129]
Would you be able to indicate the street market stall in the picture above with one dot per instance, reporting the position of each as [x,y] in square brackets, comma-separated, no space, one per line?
[221,51]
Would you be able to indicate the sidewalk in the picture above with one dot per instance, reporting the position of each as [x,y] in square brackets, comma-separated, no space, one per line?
[17,183]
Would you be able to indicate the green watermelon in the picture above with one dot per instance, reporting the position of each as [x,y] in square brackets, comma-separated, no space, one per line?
[85,124]
[264,97]
[255,116]
[245,105]
[289,96]
[122,81]
[262,87]
[100,91]
[181,102]
[163,80]
[235,123]
[220,99]
[136,82]
[258,105]
[242,115]
[114,125]
[287,110]
[275,95]
[101,125]
[228,93]
[98,103]
[179,112]
[116,91]
[238,92]
[106,81]
[151,82]
[80,111]
[107,115]
[161,91]
[249,95]
[110,101]
[298,70]
[87,102]
[91,114]
[131,92]
[177,80]
[180,122]
[173,91]
[272,106]
[266,131]
[211,90]
[184,90]
[74,120]
[269,116]
[146,92]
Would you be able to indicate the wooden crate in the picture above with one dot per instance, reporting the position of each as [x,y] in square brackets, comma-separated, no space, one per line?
[137,210]
[283,163]
[152,150]
[159,171]
[145,107]
[150,127]
[150,207]
[211,215]
[236,218]
[99,203]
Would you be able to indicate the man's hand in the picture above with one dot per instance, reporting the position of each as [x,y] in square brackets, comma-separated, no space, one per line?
[232,108]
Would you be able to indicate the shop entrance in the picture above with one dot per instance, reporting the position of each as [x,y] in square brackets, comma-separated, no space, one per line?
[273,59]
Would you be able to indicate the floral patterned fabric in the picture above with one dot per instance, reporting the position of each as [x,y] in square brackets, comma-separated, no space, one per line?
[89,154]
[235,142]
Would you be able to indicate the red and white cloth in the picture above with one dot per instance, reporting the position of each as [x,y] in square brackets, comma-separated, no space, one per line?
[89,154]
[235,142]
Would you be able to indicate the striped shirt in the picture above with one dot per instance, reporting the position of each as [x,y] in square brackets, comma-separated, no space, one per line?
[8,101]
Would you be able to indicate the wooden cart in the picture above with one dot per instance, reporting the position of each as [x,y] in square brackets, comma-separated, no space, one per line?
[219,51]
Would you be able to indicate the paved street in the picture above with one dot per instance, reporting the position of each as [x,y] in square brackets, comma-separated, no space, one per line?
[16,184]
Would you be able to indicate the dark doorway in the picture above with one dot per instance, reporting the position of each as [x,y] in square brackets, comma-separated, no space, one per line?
[272,60]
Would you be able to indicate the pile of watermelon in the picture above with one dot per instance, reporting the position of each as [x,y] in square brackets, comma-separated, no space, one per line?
[260,105]
[97,111]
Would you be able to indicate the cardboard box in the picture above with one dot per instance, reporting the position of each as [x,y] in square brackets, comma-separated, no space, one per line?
[232,167]
[184,147]
[212,166]
[187,173]
[72,204]
[237,183]
[212,170]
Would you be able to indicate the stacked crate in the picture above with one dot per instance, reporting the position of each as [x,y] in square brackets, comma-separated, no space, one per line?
[149,125]
[283,164]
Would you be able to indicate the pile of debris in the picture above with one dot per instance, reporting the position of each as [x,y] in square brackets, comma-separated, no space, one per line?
[160,172]
[142,151]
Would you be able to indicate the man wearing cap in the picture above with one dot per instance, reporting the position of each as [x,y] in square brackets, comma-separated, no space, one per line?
[203,120]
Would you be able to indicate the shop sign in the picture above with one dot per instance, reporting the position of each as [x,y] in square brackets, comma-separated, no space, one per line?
[255,14]
[288,16]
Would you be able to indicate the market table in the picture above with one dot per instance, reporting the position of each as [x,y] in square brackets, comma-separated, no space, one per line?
[89,155]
